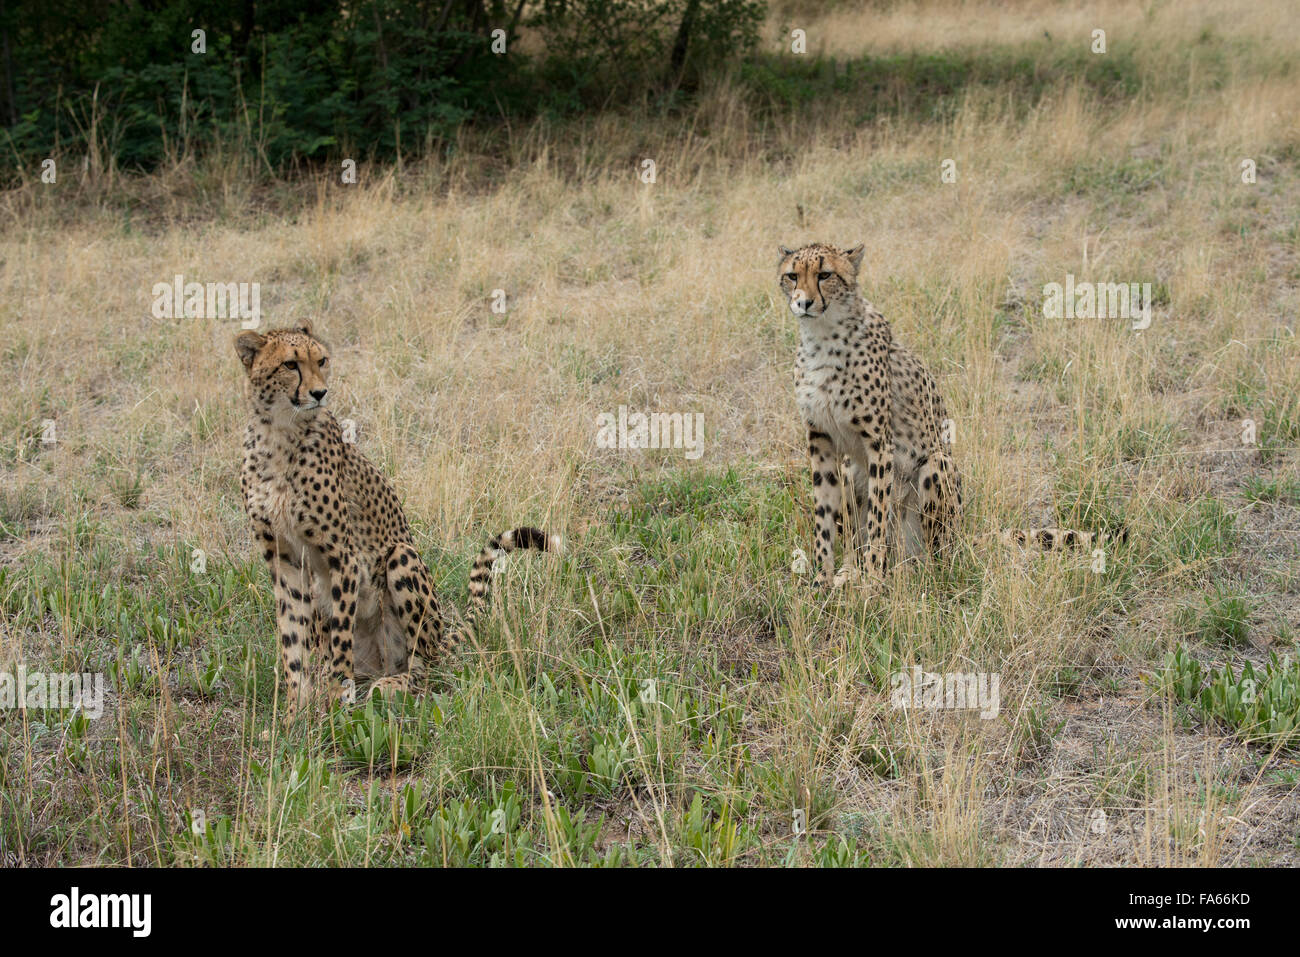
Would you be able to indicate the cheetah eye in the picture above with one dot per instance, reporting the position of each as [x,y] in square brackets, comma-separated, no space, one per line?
[323,361]
[824,275]
[291,366]
[793,277]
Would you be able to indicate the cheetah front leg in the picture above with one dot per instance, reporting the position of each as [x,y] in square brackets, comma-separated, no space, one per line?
[855,481]
[825,464]
[291,582]
[879,501]
[344,574]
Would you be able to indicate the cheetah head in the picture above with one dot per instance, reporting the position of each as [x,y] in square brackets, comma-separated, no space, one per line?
[819,279]
[287,367]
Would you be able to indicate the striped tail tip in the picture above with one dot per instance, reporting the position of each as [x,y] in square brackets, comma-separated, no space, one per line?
[480,574]
[526,537]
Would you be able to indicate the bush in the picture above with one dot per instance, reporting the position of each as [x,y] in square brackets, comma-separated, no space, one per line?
[296,81]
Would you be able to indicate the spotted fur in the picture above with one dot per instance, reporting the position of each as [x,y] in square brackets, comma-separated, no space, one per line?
[349,583]
[1049,539]
[876,423]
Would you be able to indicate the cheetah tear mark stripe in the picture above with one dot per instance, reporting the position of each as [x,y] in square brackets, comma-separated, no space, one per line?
[480,574]
[1056,539]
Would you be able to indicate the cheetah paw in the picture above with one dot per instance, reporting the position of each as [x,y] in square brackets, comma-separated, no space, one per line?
[846,575]
[389,684]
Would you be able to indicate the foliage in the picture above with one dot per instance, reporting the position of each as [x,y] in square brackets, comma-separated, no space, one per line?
[295,81]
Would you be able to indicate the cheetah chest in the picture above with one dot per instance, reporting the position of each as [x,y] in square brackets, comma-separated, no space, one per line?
[277,501]
[833,403]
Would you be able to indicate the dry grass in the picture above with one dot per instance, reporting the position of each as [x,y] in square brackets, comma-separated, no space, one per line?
[661,297]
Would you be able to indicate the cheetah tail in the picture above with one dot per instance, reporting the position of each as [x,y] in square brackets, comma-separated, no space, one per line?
[480,573]
[1056,539]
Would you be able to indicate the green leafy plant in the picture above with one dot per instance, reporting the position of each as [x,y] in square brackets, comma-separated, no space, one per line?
[463,833]
[1260,706]
[384,731]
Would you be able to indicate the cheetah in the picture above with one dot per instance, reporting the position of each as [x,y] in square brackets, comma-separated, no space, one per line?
[876,423]
[349,583]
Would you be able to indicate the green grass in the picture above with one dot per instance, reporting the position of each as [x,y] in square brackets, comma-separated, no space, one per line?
[1225,619]
[652,685]
[623,701]
[1277,491]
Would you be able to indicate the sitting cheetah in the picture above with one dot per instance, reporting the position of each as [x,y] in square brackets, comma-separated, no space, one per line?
[348,580]
[870,403]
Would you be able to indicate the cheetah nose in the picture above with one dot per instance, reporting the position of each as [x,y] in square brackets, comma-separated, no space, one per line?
[318,394]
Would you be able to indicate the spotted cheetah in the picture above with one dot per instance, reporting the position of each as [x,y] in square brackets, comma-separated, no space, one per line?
[348,580]
[876,422]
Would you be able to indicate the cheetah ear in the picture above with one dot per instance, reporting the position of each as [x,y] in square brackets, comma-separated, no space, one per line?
[854,255]
[247,346]
[785,251]
[305,326]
